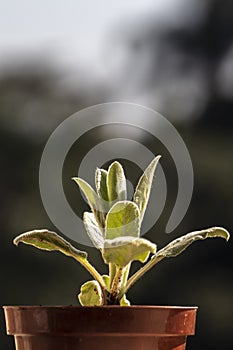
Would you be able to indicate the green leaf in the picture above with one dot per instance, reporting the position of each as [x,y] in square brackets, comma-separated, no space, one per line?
[91,294]
[48,240]
[116,183]
[175,248]
[124,301]
[122,220]
[143,189]
[122,250]
[101,183]
[180,244]
[92,198]
[94,232]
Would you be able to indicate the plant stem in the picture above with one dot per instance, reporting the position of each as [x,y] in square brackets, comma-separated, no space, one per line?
[125,275]
[116,284]
[91,270]
[94,273]
[112,272]
[154,260]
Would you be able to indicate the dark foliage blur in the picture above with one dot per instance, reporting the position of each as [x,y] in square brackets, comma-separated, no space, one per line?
[184,69]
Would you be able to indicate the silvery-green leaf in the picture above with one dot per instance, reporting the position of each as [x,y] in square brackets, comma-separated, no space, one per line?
[122,250]
[124,301]
[122,220]
[101,183]
[116,183]
[48,240]
[91,294]
[92,198]
[175,248]
[94,232]
[143,189]
[180,244]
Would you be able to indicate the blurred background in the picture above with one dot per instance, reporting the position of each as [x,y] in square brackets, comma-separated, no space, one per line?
[173,56]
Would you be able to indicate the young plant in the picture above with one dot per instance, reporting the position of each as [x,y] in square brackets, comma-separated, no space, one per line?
[113,226]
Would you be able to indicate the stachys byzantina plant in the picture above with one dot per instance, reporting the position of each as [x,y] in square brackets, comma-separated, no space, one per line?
[113,226]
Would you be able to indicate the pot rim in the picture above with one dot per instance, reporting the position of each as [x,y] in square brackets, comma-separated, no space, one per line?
[175,307]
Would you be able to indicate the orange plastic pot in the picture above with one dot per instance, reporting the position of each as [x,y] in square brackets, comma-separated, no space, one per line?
[108,327]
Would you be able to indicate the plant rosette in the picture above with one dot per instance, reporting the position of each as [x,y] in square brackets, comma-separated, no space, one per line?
[113,226]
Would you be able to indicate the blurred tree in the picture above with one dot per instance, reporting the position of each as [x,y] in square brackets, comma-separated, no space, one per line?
[181,64]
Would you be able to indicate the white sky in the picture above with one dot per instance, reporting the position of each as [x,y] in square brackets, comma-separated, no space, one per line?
[77,34]
[74,30]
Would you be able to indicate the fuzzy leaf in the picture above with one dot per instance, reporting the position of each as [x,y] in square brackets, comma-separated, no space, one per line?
[122,250]
[101,183]
[92,198]
[91,294]
[180,244]
[94,232]
[122,220]
[143,189]
[116,183]
[48,240]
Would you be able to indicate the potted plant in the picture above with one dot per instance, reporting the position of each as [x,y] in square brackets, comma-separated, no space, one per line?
[105,318]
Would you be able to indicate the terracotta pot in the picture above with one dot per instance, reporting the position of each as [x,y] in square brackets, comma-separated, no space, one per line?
[109,327]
